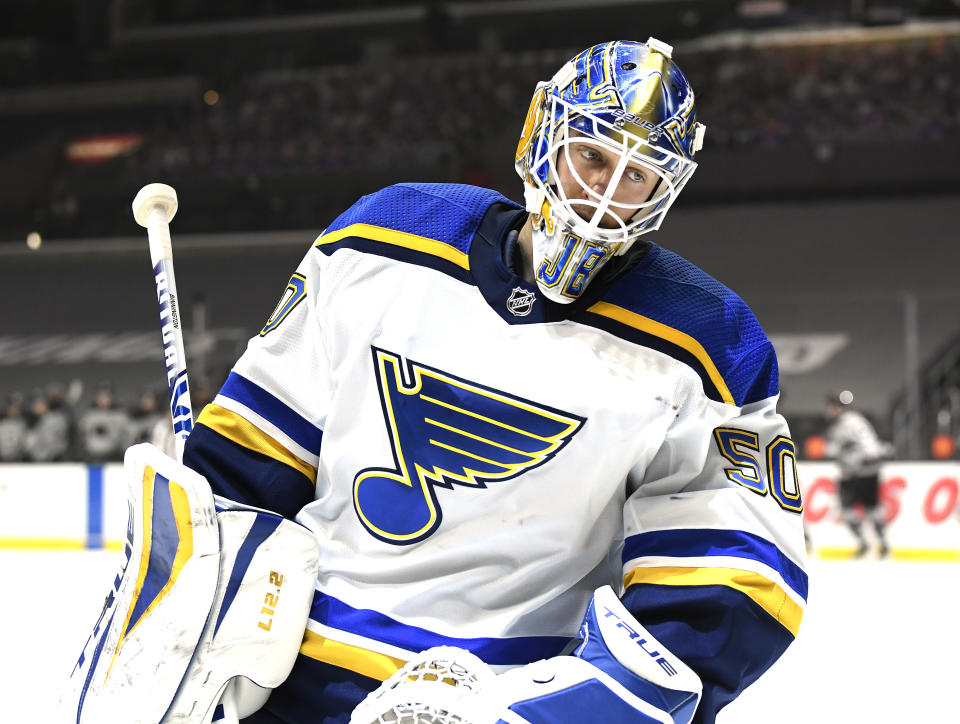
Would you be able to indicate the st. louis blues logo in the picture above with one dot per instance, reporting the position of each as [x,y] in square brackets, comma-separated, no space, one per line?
[447,431]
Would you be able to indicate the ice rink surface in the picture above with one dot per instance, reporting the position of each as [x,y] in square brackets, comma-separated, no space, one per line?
[879,642]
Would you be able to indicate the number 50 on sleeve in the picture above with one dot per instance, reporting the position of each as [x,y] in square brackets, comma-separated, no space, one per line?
[742,448]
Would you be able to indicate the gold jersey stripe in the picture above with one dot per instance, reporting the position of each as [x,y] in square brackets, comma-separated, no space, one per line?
[764,592]
[353,658]
[398,238]
[246,434]
[675,336]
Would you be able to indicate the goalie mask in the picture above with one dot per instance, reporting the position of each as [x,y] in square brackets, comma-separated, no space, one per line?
[607,145]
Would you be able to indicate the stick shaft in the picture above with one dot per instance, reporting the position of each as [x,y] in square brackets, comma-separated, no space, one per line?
[171,330]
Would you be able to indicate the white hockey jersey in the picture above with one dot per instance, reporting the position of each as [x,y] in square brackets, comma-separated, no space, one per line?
[475,460]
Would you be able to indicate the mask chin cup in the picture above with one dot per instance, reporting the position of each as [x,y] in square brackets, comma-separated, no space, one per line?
[565,263]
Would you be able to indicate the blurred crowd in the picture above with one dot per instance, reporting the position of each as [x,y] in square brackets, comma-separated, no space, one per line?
[843,92]
[420,113]
[284,148]
[429,111]
[51,425]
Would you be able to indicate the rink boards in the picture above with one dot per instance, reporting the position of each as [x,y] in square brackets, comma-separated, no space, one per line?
[921,502]
[77,506]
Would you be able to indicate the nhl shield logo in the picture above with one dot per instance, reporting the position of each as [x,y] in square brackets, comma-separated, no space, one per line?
[521,302]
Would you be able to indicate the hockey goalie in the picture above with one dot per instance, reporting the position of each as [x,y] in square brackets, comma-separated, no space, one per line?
[513,463]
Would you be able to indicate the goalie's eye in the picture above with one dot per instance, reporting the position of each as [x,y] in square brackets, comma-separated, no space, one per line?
[588,154]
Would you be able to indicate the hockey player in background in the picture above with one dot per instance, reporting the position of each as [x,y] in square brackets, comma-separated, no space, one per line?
[854,444]
[527,431]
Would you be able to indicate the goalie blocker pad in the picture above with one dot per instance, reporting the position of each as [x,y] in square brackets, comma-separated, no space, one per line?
[201,598]
[618,674]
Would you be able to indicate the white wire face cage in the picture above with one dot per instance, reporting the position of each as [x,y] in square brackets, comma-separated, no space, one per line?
[611,220]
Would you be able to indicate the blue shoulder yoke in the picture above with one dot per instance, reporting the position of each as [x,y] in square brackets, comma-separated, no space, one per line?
[448,213]
[668,303]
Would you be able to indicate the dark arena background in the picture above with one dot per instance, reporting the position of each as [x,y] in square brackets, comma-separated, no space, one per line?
[827,196]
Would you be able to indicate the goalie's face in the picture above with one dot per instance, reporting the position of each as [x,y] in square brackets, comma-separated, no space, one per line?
[601,185]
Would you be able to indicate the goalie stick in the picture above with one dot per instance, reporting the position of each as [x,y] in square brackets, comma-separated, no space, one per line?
[175,641]
[154,207]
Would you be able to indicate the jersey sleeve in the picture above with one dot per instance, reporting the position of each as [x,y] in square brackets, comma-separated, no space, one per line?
[258,442]
[714,555]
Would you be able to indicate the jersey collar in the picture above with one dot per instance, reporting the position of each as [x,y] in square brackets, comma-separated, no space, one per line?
[515,300]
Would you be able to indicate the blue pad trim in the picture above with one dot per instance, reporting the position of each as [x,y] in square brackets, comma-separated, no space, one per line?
[585,702]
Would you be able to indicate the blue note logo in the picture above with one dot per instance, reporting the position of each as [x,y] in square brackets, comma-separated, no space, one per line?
[447,431]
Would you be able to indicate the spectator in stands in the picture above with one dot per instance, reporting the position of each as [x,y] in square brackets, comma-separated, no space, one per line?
[146,416]
[59,405]
[48,436]
[854,444]
[151,422]
[13,430]
[104,430]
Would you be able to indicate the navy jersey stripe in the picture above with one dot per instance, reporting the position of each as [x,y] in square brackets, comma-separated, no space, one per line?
[716,631]
[398,252]
[713,542]
[375,625]
[246,476]
[301,431]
